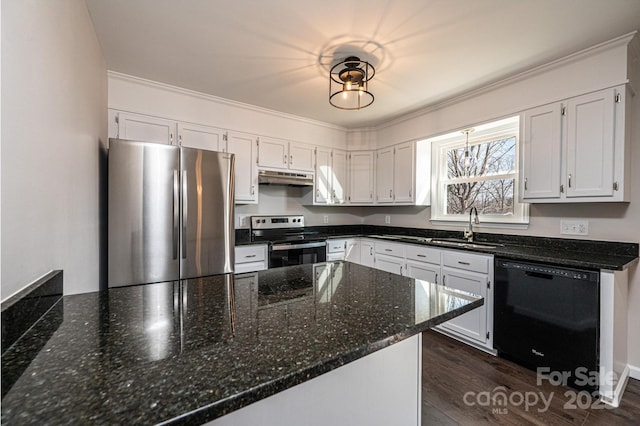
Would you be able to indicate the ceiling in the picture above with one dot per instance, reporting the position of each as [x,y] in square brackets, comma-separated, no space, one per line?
[276,53]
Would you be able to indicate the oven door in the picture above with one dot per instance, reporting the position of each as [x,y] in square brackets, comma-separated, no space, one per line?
[289,254]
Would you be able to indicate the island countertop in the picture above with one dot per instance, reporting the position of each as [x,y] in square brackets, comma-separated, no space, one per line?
[191,351]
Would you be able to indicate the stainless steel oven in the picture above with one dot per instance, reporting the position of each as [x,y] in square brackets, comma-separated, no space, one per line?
[289,242]
[289,254]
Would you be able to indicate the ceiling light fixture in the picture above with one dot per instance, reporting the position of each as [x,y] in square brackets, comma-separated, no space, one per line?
[349,84]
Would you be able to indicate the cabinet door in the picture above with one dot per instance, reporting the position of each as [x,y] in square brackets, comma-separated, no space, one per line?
[541,155]
[339,177]
[301,156]
[273,153]
[395,265]
[423,271]
[146,129]
[244,147]
[384,175]
[473,324]
[361,177]
[323,176]
[367,257]
[353,251]
[404,173]
[590,144]
[202,137]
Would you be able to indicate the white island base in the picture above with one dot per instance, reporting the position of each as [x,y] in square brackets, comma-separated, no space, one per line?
[383,388]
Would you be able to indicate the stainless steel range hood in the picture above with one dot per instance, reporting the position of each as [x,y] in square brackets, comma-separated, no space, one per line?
[285,178]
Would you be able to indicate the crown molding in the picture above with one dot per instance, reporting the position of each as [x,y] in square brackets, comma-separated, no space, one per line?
[216,99]
[625,39]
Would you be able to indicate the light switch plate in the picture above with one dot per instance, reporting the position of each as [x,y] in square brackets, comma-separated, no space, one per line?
[325,218]
[574,227]
[387,219]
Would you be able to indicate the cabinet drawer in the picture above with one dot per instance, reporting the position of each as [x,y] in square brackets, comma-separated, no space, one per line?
[254,253]
[423,254]
[467,261]
[336,246]
[390,249]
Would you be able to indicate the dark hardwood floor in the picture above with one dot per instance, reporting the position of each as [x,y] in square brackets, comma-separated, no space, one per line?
[460,382]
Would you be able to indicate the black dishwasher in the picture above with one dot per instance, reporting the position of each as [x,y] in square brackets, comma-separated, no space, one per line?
[548,317]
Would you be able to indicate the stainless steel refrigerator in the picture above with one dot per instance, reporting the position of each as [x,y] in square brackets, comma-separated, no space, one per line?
[170,213]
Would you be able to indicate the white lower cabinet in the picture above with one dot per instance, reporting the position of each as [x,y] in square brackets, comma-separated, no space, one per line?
[423,271]
[471,272]
[367,252]
[336,249]
[353,250]
[473,324]
[461,270]
[344,249]
[389,257]
[251,258]
[391,264]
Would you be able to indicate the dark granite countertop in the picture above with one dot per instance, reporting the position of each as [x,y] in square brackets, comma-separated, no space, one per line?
[590,254]
[191,351]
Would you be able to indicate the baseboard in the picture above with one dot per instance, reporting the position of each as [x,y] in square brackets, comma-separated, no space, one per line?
[634,372]
[614,396]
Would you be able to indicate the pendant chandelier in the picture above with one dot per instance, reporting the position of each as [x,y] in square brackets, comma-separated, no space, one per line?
[467,157]
[349,84]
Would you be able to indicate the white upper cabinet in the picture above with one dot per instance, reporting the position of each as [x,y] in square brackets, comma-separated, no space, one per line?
[339,181]
[396,179]
[361,177]
[285,155]
[243,145]
[324,175]
[541,130]
[384,175]
[590,144]
[577,150]
[273,153]
[145,128]
[330,176]
[301,156]
[202,137]
[404,175]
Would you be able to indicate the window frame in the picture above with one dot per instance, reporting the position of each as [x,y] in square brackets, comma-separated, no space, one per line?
[491,131]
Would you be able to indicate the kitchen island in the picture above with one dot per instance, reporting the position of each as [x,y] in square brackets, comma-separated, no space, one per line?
[194,351]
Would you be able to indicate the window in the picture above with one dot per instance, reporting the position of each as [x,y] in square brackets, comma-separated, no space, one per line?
[485,178]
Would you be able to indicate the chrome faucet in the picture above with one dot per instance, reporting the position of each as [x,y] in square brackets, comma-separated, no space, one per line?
[468,233]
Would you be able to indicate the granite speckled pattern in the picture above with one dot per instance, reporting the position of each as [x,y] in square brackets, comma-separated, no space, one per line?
[589,254]
[191,351]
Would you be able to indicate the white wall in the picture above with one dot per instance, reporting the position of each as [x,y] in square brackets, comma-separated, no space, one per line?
[54,89]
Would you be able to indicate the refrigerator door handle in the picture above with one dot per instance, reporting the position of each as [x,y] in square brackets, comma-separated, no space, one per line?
[176,213]
[184,214]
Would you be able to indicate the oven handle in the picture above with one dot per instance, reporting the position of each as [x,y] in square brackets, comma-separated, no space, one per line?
[282,247]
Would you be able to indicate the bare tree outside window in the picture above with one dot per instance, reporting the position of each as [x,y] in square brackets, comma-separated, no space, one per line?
[483,184]
[487,181]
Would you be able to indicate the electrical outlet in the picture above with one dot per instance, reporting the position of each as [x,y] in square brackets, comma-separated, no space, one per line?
[325,218]
[387,219]
[574,227]
[243,221]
